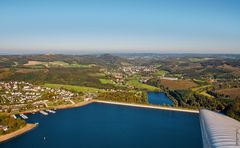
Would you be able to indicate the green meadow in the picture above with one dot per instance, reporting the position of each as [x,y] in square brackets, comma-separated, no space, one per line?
[74,88]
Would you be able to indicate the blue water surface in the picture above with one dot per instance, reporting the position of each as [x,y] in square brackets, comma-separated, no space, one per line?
[159,98]
[111,126]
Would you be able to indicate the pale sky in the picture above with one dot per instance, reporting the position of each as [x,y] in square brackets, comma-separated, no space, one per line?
[164,26]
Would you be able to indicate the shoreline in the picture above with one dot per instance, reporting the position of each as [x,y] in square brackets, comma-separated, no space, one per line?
[59,107]
[115,103]
[28,127]
[148,106]
[73,105]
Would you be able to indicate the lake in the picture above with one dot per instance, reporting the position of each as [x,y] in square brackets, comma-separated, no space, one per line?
[159,98]
[111,126]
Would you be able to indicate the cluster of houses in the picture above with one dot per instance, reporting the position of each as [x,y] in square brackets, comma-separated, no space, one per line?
[16,95]
[136,69]
[121,75]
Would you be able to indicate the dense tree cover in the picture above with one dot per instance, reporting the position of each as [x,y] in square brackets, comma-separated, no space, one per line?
[129,97]
[105,59]
[154,82]
[6,64]
[187,98]
[71,76]
[234,109]
[13,124]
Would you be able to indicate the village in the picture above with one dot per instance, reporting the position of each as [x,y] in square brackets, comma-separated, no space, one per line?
[19,96]
[121,75]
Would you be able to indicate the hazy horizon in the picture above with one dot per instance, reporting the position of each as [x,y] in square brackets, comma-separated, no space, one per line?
[107,26]
[99,52]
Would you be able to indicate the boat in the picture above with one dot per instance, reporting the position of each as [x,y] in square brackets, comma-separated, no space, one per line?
[51,111]
[14,116]
[23,116]
[43,112]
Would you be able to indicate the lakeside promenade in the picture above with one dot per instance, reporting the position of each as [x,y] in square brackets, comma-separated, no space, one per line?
[18,132]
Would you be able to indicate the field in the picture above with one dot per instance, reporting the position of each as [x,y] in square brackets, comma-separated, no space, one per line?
[161,73]
[25,70]
[31,63]
[178,84]
[204,93]
[64,64]
[106,81]
[201,87]
[140,85]
[4,73]
[36,64]
[75,88]
[230,92]
[199,59]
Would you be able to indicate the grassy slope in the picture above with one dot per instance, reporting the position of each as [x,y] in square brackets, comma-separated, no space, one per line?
[106,81]
[74,88]
[201,90]
[200,87]
[161,73]
[204,93]
[139,85]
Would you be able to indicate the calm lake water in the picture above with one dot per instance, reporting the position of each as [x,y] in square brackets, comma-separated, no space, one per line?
[111,126]
[159,98]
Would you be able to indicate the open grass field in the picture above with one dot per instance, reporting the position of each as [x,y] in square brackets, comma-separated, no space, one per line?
[140,85]
[4,73]
[199,59]
[31,63]
[25,70]
[161,73]
[64,64]
[110,82]
[97,74]
[201,87]
[106,81]
[178,84]
[231,92]
[74,88]
[198,81]
[204,93]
